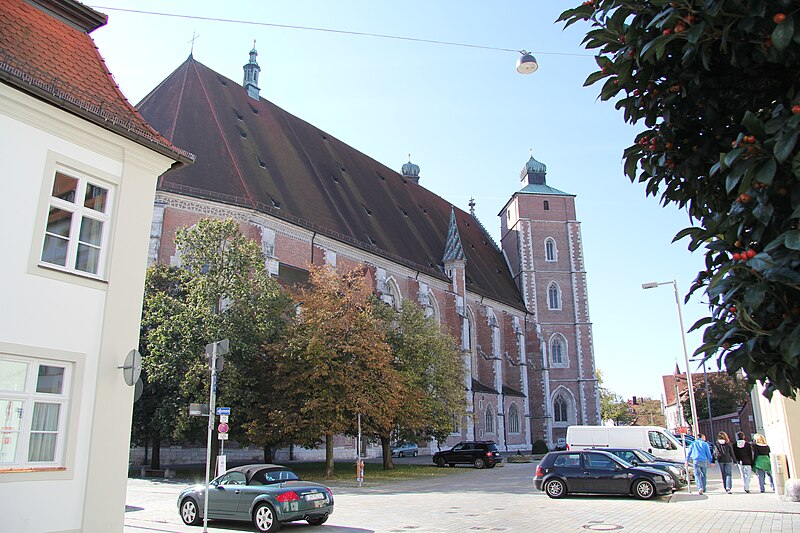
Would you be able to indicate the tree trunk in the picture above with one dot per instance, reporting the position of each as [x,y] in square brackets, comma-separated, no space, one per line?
[328,455]
[155,454]
[388,464]
[267,454]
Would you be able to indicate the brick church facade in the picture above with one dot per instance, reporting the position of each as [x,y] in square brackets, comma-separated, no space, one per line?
[519,310]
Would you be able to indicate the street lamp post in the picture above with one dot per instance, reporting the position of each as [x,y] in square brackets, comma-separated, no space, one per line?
[692,406]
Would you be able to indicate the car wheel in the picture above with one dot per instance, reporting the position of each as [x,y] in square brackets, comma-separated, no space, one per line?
[555,488]
[190,513]
[451,465]
[265,519]
[479,463]
[318,521]
[644,489]
[491,465]
[415,454]
[439,461]
[401,454]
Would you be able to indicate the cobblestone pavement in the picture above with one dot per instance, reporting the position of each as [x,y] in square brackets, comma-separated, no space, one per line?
[497,500]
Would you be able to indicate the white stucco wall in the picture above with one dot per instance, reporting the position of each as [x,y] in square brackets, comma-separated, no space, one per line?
[51,314]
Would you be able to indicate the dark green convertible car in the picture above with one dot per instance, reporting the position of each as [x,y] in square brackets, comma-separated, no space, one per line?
[263,494]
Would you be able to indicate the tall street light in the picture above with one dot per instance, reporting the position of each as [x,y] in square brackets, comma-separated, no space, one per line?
[653,285]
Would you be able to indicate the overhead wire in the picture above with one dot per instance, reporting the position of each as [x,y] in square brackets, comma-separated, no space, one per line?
[329,30]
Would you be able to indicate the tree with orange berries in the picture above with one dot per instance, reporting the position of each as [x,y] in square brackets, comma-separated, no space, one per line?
[716,86]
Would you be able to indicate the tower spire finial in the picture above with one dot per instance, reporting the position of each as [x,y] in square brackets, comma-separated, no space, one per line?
[472,206]
[192,40]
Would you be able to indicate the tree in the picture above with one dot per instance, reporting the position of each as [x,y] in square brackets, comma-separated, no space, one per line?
[727,394]
[222,291]
[715,85]
[432,370]
[335,362]
[612,406]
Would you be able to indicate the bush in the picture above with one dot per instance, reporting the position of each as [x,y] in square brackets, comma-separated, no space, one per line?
[539,447]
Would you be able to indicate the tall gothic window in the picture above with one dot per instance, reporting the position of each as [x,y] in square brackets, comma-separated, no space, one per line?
[513,419]
[556,351]
[553,296]
[550,249]
[489,419]
[560,409]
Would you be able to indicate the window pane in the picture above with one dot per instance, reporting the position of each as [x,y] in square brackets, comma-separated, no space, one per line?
[91,231]
[12,375]
[45,416]
[59,222]
[96,198]
[87,259]
[42,447]
[50,379]
[8,446]
[64,187]
[10,415]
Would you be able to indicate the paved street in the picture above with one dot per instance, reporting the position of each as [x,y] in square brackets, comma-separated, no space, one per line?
[501,499]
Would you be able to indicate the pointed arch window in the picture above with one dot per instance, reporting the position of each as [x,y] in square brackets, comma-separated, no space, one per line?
[558,351]
[489,419]
[553,296]
[513,419]
[560,410]
[550,250]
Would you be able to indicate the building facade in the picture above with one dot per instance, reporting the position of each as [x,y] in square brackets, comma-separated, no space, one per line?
[310,199]
[81,165]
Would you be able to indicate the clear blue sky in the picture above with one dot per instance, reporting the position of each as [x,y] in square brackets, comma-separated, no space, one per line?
[469,121]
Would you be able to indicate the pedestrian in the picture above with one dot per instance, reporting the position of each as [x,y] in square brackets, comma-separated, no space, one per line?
[724,454]
[761,460]
[743,451]
[700,455]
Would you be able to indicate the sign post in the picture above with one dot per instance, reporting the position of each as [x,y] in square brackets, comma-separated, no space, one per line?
[214,350]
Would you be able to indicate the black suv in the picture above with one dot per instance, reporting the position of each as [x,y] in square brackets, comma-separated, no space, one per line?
[480,454]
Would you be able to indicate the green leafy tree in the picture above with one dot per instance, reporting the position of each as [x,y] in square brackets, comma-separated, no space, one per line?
[432,372]
[335,362]
[612,407]
[222,291]
[727,394]
[714,84]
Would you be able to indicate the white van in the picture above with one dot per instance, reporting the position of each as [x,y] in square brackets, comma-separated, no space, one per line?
[653,439]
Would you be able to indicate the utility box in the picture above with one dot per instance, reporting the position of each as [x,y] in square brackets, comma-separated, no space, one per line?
[780,469]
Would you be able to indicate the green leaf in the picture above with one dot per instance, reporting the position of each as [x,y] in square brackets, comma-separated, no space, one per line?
[684,232]
[766,172]
[783,33]
[782,275]
[763,212]
[751,122]
[793,239]
[731,156]
[593,77]
[796,165]
[785,144]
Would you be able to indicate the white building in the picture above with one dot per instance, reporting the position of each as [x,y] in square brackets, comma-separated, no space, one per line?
[79,166]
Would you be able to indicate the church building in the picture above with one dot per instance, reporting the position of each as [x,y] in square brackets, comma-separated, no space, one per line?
[518,309]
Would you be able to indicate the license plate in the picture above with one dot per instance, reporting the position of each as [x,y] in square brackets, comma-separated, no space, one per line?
[315,496]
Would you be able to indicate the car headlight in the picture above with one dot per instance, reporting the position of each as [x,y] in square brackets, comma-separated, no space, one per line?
[674,470]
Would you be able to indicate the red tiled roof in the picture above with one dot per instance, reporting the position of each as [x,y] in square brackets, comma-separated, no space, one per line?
[256,155]
[57,62]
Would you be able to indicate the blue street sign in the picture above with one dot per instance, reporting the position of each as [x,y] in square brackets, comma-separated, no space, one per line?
[223,410]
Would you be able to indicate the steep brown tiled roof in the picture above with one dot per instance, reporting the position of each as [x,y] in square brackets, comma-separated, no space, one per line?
[55,59]
[255,154]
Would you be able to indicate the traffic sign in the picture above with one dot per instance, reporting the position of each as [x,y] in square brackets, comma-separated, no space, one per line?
[222,436]
[223,419]
[223,428]
[223,410]
[682,430]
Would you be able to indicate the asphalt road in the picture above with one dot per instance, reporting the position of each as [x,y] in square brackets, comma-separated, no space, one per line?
[500,500]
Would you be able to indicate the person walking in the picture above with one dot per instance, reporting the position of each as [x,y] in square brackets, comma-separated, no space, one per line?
[723,453]
[743,451]
[761,461]
[700,455]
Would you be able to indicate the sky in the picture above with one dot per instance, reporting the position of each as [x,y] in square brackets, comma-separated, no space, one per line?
[467,118]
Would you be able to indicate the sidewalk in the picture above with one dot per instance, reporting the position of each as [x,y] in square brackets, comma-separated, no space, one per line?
[717,499]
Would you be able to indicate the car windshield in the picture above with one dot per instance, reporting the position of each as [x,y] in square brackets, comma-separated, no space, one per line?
[622,461]
[492,447]
[647,456]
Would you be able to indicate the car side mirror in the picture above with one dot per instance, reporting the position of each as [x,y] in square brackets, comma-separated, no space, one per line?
[635,462]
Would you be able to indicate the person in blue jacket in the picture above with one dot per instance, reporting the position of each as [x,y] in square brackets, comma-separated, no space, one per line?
[700,455]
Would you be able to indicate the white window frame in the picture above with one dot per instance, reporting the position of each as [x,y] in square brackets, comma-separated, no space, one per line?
[79,212]
[559,399]
[550,250]
[513,419]
[29,398]
[555,306]
[563,361]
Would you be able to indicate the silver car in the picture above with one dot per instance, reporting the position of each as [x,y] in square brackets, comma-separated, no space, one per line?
[263,494]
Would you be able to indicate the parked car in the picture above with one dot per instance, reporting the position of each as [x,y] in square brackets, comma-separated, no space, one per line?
[598,472]
[679,437]
[405,449]
[263,494]
[480,454]
[652,439]
[638,457]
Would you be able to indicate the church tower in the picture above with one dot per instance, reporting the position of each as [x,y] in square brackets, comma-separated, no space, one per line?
[541,239]
[251,72]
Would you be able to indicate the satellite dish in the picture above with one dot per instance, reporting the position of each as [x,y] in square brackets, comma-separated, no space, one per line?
[132,368]
[526,63]
[138,388]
